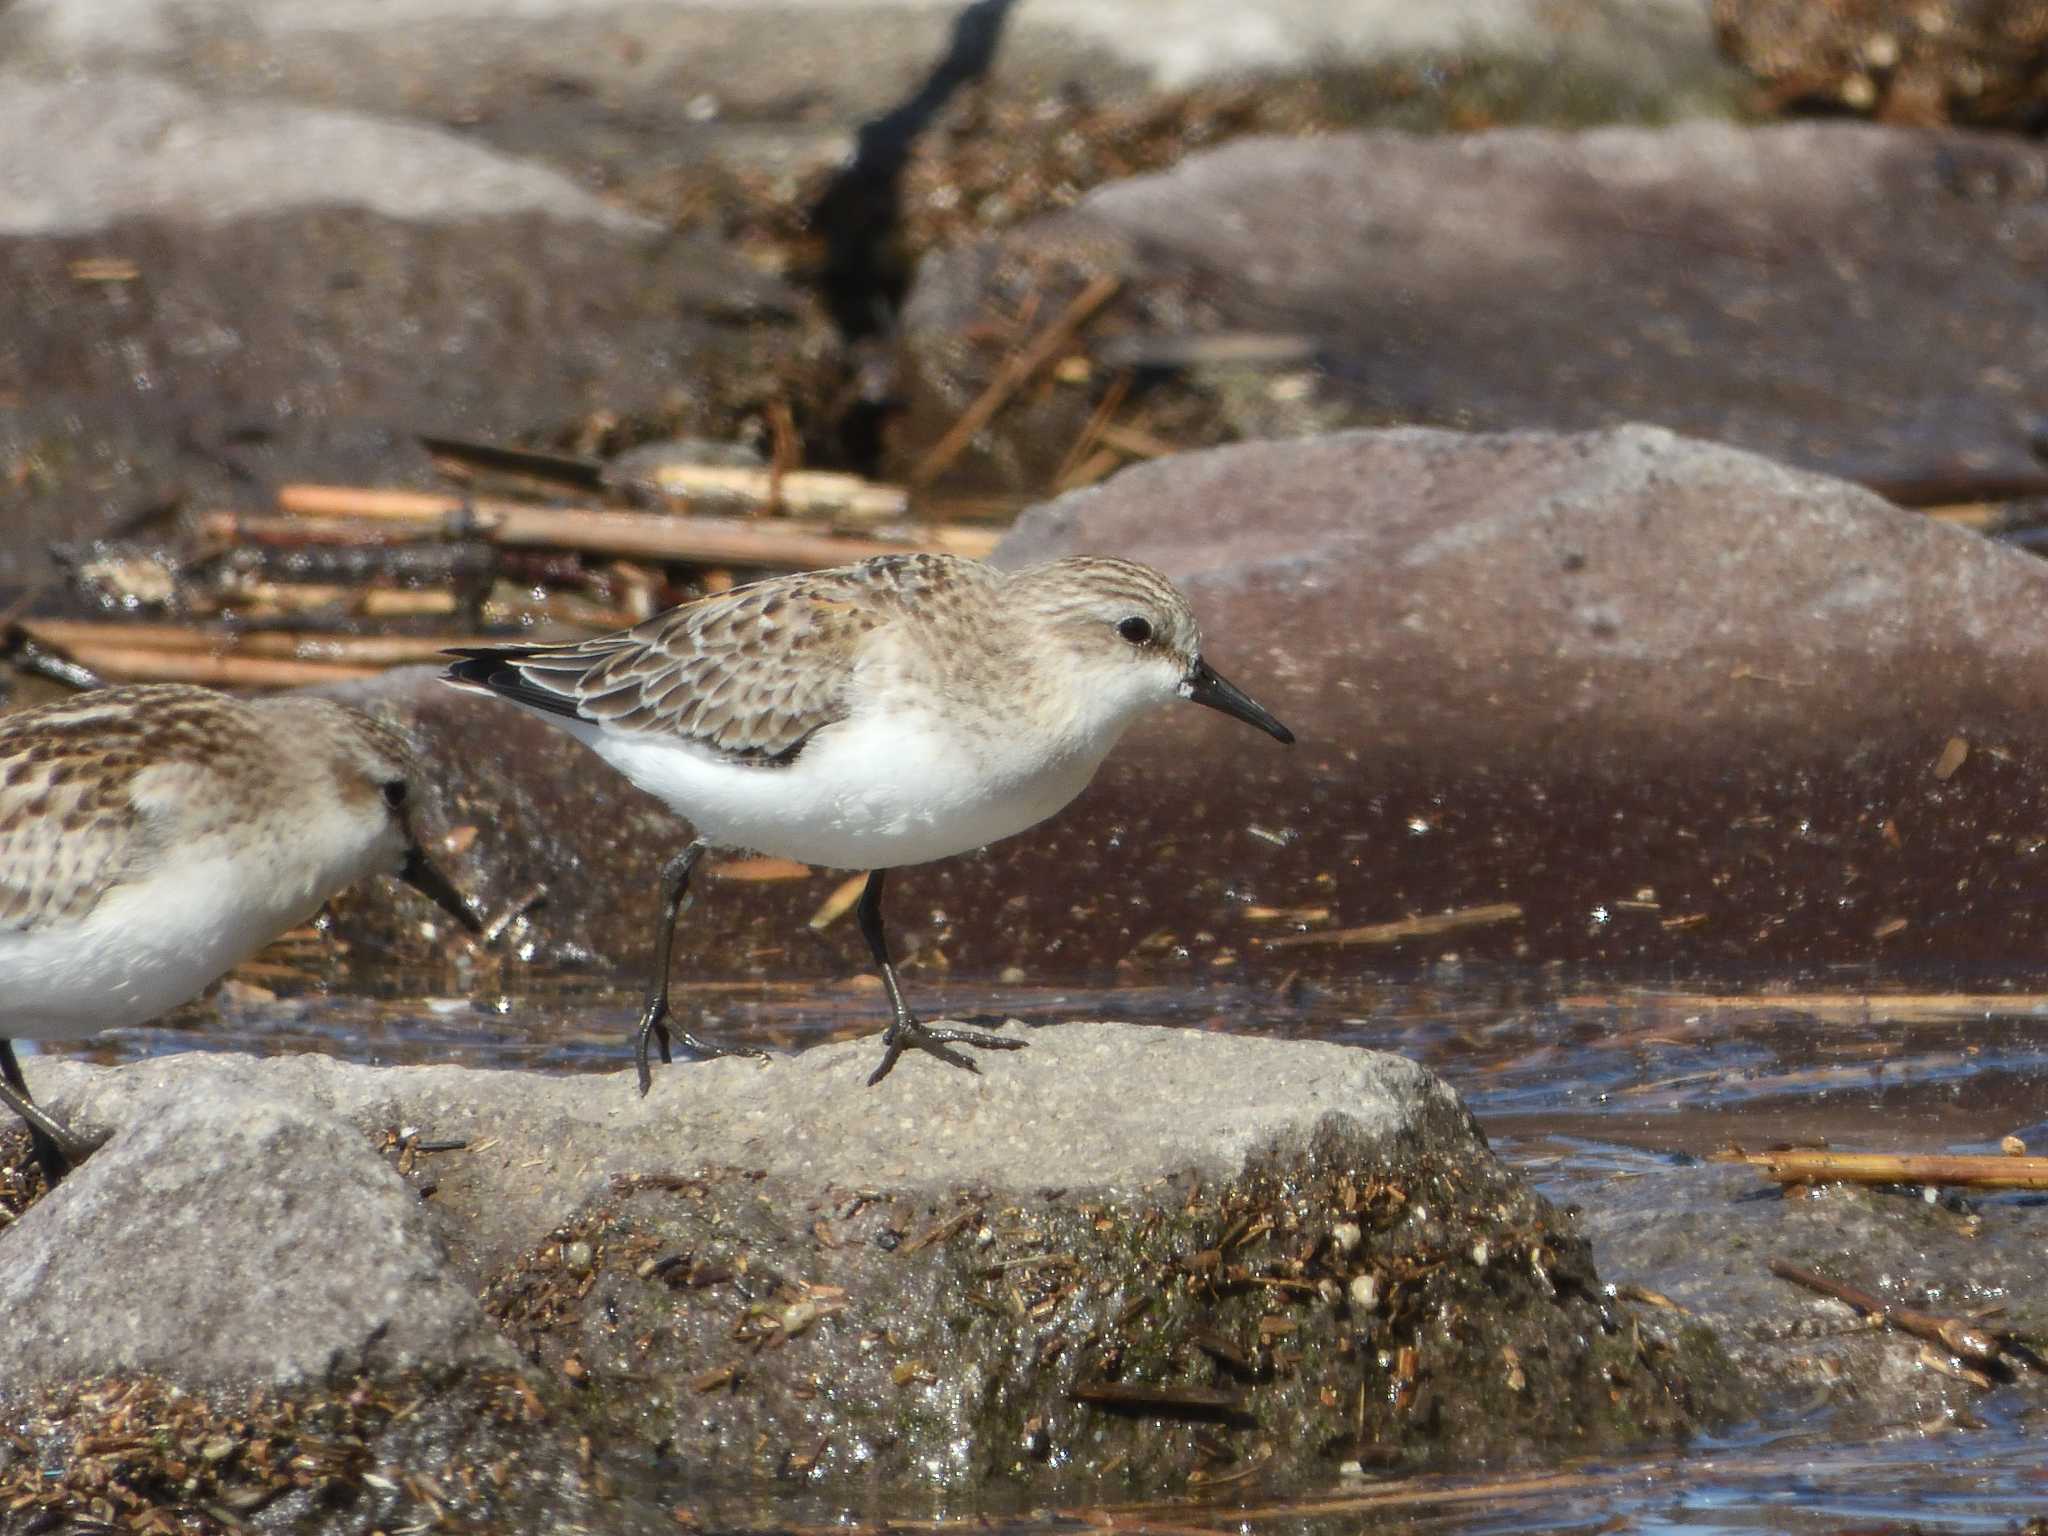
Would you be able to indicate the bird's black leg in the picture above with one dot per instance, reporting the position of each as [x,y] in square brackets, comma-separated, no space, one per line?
[675,894]
[905,1033]
[56,1149]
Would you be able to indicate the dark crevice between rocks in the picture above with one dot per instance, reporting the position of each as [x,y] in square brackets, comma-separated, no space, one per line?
[860,213]
[867,265]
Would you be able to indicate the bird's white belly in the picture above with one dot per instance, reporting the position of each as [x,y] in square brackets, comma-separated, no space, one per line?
[144,949]
[865,794]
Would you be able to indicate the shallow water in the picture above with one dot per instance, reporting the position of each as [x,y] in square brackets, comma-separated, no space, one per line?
[1600,1094]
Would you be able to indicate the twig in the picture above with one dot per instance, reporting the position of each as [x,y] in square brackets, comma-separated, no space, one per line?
[511,912]
[1959,1336]
[1102,462]
[1807,1167]
[1405,928]
[236,528]
[1855,1007]
[305,596]
[31,653]
[1015,370]
[1983,516]
[1137,441]
[367,501]
[1165,1402]
[801,490]
[793,490]
[280,644]
[655,535]
[1225,349]
[557,468]
[942,1231]
[1112,401]
[141,664]
[1947,489]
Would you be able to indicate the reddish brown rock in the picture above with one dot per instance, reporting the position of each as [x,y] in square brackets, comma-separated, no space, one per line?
[1861,300]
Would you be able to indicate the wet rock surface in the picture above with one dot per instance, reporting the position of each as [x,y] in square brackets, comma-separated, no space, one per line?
[1796,290]
[1049,1115]
[1621,698]
[1026,1276]
[1327,1304]
[1708,1250]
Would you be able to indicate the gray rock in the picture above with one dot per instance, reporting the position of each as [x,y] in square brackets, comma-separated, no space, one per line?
[1843,297]
[137,147]
[833,60]
[1058,1113]
[768,1267]
[229,1240]
[1705,1239]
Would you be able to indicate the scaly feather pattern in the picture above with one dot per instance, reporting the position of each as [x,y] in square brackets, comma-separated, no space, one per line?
[751,674]
[69,827]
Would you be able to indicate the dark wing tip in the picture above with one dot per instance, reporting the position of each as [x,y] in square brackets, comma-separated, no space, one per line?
[496,671]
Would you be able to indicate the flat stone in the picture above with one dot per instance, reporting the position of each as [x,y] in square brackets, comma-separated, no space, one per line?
[231,1240]
[1057,1113]
[839,59]
[858,1258]
[1705,1238]
[138,147]
[1844,297]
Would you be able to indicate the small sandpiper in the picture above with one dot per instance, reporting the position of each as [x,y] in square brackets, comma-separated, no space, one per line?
[152,837]
[908,708]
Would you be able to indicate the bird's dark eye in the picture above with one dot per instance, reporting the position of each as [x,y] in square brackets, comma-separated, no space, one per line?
[394,793]
[1136,630]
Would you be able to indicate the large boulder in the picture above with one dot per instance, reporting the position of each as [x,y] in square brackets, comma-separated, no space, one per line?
[1277,1255]
[1844,297]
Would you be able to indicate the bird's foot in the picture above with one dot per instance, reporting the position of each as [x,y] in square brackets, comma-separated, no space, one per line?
[906,1034]
[654,1024]
[57,1149]
[56,1158]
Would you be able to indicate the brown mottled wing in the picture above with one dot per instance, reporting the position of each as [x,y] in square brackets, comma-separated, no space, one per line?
[69,830]
[752,673]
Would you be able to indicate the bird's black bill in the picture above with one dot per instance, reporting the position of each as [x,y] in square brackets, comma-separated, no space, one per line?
[424,876]
[1205,687]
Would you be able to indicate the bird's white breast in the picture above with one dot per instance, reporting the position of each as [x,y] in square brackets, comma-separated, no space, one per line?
[185,913]
[871,792]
